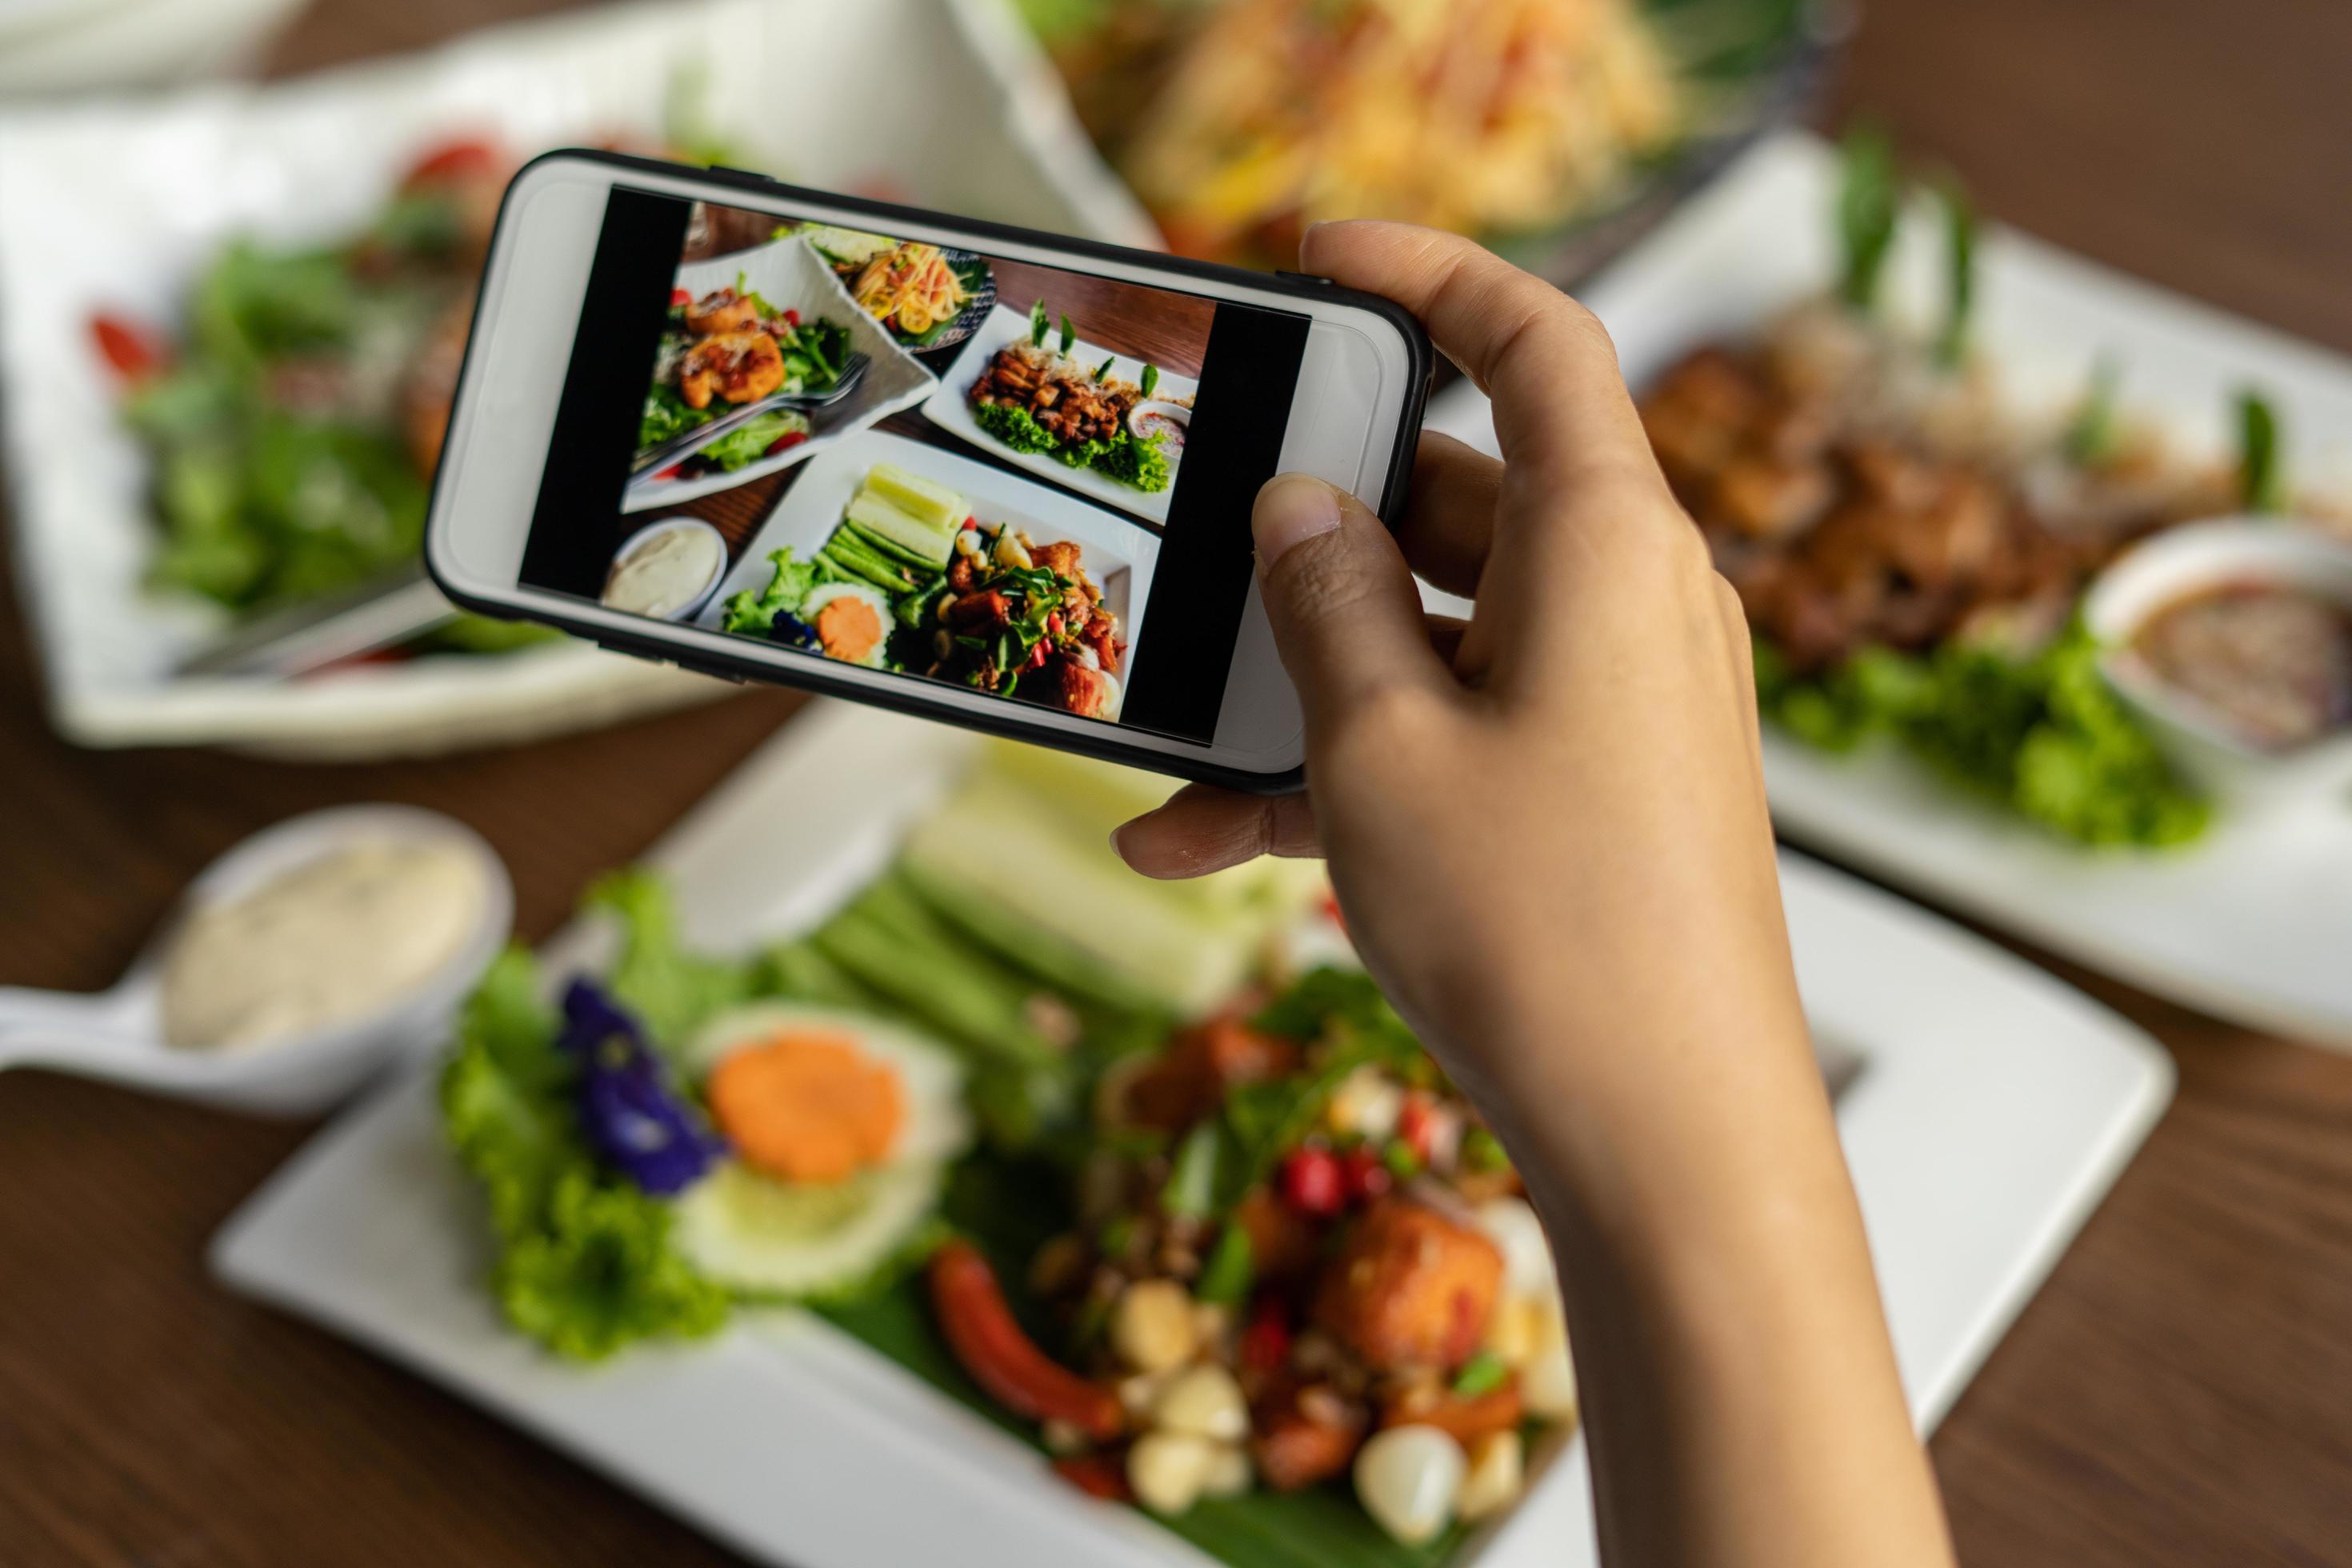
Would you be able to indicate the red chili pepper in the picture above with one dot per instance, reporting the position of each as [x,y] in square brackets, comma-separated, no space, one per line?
[1367,1177]
[789,440]
[453,160]
[1036,657]
[1417,1125]
[792,317]
[681,297]
[1313,1182]
[136,352]
[1054,623]
[1265,1341]
[980,1330]
[1096,1475]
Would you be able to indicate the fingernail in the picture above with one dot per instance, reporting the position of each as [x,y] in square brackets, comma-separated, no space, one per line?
[1292,509]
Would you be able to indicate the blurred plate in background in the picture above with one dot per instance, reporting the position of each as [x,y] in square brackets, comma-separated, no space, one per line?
[2253,921]
[120,205]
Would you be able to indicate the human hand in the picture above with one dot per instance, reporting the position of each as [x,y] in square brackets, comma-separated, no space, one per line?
[1548,832]
[1563,797]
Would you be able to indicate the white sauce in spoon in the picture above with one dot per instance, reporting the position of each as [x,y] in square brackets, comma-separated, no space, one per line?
[321,943]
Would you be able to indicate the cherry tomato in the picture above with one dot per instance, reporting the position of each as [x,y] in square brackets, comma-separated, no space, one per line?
[1367,1177]
[791,317]
[1313,1182]
[671,472]
[680,296]
[136,352]
[786,441]
[453,160]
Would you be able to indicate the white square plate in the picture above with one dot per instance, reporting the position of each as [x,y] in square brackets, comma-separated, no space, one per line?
[2251,922]
[789,274]
[1990,1110]
[1118,555]
[951,409]
[115,204]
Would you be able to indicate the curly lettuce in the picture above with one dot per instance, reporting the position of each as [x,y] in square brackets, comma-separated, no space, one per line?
[2040,735]
[584,1265]
[1141,465]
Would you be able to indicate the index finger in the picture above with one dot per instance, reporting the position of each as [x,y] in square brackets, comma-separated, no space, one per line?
[1545,360]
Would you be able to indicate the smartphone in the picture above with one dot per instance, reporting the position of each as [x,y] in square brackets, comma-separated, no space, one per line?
[988,476]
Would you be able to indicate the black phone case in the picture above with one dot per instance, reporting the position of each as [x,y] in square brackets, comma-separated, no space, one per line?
[1109,747]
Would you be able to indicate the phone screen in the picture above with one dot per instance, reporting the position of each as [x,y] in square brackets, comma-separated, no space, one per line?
[1016,479]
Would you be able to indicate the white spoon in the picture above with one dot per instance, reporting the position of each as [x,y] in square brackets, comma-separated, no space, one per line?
[118,1034]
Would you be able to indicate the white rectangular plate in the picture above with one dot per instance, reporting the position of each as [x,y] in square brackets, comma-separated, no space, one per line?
[1989,1111]
[2252,923]
[1118,555]
[951,409]
[789,275]
[114,203]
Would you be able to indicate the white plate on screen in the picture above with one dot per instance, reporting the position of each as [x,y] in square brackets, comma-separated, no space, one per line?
[114,203]
[1986,1111]
[951,409]
[1118,555]
[789,274]
[2252,923]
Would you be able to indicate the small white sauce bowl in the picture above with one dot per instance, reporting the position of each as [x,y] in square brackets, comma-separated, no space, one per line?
[2181,562]
[1175,412]
[651,531]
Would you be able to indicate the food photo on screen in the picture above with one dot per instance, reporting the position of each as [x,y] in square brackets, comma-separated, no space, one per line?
[916,458]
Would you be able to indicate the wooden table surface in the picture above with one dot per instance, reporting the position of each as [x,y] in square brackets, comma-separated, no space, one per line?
[2180,1391]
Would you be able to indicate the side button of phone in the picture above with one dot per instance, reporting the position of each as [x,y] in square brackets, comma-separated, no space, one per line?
[1303,278]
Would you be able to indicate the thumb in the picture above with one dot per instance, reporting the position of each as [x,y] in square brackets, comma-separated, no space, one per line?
[1341,601]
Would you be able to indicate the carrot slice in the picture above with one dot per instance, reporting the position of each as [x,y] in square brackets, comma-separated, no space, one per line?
[807,1108]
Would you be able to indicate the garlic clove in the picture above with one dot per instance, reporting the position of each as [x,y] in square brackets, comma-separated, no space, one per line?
[1205,1402]
[1166,1471]
[1230,1472]
[1547,1380]
[1407,1477]
[1497,1476]
[1511,1225]
[1152,1327]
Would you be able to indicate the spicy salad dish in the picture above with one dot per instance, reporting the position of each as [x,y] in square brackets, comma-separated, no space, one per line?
[1149,1174]
[1911,550]
[918,577]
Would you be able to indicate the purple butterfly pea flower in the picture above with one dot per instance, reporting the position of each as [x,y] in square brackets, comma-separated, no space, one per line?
[632,1117]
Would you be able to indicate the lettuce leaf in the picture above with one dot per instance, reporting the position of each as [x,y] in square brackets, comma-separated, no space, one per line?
[584,1266]
[670,990]
[1140,464]
[2041,736]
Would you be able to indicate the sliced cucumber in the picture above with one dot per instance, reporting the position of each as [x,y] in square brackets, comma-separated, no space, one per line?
[800,1241]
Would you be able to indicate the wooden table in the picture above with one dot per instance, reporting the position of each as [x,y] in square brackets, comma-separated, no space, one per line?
[2179,1392]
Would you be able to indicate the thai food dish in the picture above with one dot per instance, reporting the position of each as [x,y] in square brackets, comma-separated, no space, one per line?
[1150,1171]
[1240,122]
[294,415]
[294,420]
[1037,398]
[1911,555]
[726,349]
[913,579]
[915,288]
